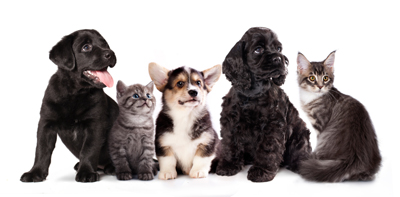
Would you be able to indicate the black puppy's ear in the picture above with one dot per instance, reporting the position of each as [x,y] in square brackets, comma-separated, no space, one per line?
[234,67]
[62,55]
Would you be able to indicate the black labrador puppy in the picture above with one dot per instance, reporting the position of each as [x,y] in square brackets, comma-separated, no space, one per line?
[76,108]
[259,125]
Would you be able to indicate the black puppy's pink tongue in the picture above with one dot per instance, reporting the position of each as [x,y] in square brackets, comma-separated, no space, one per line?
[104,77]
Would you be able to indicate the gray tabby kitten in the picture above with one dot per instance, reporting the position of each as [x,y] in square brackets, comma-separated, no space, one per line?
[347,147]
[131,140]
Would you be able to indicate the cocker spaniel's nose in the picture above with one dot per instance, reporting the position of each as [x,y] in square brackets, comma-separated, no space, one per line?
[277,59]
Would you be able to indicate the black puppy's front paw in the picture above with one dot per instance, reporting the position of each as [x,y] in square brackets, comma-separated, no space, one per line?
[146,176]
[123,176]
[34,176]
[87,177]
[257,174]
[227,169]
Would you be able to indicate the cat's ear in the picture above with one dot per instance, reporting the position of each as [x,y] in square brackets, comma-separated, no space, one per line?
[302,63]
[121,88]
[330,60]
[211,76]
[150,86]
[159,75]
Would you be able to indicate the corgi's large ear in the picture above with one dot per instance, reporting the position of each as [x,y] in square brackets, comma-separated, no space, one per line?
[211,76]
[159,75]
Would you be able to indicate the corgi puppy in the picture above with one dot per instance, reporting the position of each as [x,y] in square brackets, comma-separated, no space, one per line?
[185,140]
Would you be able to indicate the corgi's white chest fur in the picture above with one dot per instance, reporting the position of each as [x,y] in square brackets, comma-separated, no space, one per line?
[180,140]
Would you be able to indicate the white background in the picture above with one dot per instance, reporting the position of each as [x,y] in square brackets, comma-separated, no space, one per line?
[197,34]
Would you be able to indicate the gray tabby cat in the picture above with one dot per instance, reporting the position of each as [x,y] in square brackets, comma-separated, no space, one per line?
[347,147]
[131,140]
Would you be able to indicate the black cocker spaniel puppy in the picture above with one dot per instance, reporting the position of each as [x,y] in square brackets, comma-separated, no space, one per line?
[259,125]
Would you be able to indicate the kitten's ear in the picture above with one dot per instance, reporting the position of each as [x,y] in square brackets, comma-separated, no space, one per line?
[330,60]
[302,63]
[211,76]
[159,75]
[121,88]
[150,86]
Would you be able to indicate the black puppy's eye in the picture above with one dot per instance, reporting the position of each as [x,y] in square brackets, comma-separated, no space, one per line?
[180,84]
[198,83]
[87,47]
[258,50]
[136,96]
[279,49]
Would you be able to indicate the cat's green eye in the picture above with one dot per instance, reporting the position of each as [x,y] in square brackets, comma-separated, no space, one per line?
[312,78]
[326,78]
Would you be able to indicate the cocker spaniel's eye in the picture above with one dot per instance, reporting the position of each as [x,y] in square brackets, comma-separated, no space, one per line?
[87,47]
[279,49]
[198,83]
[258,50]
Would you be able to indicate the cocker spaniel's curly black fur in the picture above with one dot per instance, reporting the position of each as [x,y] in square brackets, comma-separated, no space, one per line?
[259,125]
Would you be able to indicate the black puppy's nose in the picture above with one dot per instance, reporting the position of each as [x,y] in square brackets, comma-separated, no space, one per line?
[192,93]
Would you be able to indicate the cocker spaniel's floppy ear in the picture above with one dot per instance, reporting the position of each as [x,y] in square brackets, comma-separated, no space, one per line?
[159,75]
[62,54]
[281,79]
[234,67]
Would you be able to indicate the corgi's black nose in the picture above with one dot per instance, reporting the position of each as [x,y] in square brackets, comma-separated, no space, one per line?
[192,93]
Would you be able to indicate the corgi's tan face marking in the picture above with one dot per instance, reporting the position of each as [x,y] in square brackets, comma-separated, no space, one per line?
[184,86]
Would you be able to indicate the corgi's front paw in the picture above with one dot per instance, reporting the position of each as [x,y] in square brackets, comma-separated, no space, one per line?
[198,173]
[167,175]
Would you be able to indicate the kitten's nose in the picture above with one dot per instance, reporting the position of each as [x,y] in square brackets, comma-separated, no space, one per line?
[192,93]
[320,87]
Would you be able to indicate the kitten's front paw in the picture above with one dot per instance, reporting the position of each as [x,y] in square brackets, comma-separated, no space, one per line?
[123,176]
[257,174]
[198,173]
[146,176]
[167,175]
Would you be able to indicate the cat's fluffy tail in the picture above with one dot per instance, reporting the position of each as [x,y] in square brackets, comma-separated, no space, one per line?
[325,170]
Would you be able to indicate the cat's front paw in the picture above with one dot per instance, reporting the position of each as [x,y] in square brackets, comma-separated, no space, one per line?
[146,176]
[257,174]
[167,175]
[123,176]
[202,173]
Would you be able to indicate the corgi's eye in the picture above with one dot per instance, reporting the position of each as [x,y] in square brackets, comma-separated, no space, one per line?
[198,83]
[148,96]
[135,96]
[180,84]
[312,78]
[326,78]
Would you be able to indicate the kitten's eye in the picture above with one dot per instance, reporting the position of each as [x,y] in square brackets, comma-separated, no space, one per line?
[258,50]
[180,84]
[136,96]
[312,78]
[87,48]
[148,96]
[198,83]
[326,78]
